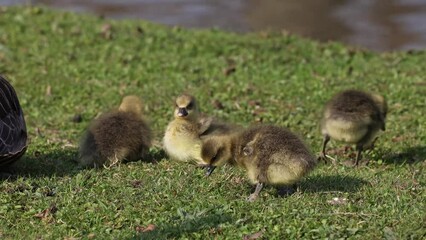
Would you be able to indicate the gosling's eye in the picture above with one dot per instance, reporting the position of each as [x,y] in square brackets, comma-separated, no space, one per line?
[190,106]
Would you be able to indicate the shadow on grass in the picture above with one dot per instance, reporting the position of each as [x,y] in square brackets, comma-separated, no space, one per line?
[408,156]
[56,163]
[155,155]
[332,183]
[187,225]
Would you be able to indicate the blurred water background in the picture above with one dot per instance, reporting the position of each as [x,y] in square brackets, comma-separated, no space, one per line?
[380,25]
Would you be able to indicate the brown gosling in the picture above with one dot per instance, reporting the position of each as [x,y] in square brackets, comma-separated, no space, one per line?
[270,155]
[182,139]
[116,136]
[353,116]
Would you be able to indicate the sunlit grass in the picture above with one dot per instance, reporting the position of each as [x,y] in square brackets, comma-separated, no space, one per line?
[62,64]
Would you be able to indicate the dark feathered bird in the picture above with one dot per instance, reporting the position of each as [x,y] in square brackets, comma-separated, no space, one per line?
[13,132]
[353,116]
[116,136]
[270,155]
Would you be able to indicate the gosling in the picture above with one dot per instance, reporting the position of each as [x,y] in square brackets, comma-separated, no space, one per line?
[271,155]
[355,117]
[183,136]
[116,136]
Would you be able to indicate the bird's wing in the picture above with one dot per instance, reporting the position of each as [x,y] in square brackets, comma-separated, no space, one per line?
[13,133]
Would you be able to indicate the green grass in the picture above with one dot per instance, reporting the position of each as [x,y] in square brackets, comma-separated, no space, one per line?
[63,64]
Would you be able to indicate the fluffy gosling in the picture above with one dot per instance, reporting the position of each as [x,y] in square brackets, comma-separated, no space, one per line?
[182,139]
[116,136]
[353,116]
[271,155]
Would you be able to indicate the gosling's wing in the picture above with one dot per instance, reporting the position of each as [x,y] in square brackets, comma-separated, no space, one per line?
[216,127]
[204,124]
[13,132]
[351,112]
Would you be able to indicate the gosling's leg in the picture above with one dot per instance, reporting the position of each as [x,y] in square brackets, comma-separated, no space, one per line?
[254,195]
[368,149]
[324,144]
[359,149]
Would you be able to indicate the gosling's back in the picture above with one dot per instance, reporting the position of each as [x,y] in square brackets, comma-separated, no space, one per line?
[120,130]
[351,115]
[115,136]
[274,155]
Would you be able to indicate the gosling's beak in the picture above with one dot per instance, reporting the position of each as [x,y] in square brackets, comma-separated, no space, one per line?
[209,170]
[182,112]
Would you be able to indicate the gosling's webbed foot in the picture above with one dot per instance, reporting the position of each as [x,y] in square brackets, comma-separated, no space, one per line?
[325,158]
[322,158]
[256,192]
[252,197]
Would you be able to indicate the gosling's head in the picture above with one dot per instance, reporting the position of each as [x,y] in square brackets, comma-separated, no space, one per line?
[383,107]
[185,107]
[131,104]
[215,152]
[381,103]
